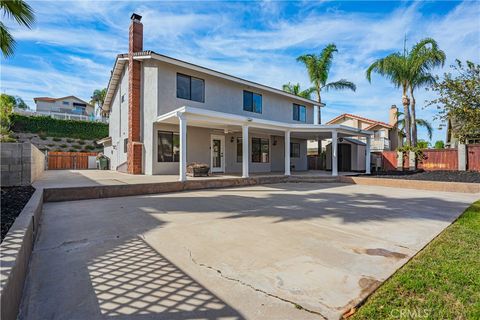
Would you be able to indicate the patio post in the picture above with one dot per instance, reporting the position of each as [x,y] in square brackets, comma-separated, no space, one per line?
[245,152]
[334,153]
[368,156]
[287,152]
[183,147]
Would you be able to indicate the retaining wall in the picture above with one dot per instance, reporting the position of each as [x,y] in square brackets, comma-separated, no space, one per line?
[21,164]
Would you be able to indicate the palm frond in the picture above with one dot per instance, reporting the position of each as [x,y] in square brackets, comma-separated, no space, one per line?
[325,62]
[19,10]
[307,93]
[7,43]
[341,84]
[425,124]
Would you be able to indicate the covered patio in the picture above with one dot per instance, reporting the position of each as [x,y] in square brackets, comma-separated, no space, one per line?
[226,123]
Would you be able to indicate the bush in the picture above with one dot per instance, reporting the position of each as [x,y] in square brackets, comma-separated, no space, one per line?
[90,147]
[81,142]
[63,146]
[57,139]
[76,146]
[59,128]
[51,145]
[70,140]
[43,137]
[72,150]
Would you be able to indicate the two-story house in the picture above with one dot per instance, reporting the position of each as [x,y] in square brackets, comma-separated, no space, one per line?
[166,113]
[69,107]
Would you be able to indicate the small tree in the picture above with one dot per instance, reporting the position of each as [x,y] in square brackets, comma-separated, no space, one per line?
[459,99]
[422,144]
[6,108]
[439,144]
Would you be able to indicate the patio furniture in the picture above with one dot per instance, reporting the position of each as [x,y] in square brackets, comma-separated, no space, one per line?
[197,170]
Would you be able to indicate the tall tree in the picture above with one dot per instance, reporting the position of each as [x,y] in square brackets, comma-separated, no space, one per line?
[296,90]
[97,99]
[409,71]
[20,11]
[458,100]
[424,56]
[318,68]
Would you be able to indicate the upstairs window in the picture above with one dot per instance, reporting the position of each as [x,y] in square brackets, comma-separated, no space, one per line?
[190,88]
[299,113]
[252,102]
[65,103]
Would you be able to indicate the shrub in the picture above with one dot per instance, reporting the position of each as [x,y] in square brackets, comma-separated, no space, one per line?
[43,137]
[76,146]
[72,150]
[59,128]
[51,145]
[63,146]
[57,139]
[81,142]
[90,147]
[70,140]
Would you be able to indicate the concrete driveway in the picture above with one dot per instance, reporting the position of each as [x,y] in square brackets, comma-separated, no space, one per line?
[284,251]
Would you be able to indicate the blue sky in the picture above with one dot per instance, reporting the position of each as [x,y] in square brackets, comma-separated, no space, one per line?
[72,47]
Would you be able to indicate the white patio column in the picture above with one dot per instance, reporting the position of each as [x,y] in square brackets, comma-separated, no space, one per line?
[245,152]
[287,152]
[315,114]
[368,156]
[182,119]
[334,153]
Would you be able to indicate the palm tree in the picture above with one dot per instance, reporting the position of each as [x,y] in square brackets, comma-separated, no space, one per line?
[22,13]
[97,99]
[409,71]
[425,56]
[295,89]
[318,67]
[400,124]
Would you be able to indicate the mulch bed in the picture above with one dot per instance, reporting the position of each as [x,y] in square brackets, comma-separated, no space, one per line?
[448,176]
[13,199]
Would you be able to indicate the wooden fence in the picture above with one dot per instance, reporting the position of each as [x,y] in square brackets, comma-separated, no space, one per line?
[439,159]
[436,159]
[68,160]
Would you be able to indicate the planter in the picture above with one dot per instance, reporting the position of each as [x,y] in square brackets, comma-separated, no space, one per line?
[198,170]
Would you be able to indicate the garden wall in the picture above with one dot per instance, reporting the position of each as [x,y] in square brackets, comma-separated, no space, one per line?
[21,164]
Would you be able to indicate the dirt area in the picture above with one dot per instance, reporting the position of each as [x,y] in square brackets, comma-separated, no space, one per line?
[13,201]
[449,176]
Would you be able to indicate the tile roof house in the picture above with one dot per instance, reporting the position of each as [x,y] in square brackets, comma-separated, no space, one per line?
[166,113]
[69,107]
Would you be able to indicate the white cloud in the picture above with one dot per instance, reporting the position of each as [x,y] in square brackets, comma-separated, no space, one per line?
[219,36]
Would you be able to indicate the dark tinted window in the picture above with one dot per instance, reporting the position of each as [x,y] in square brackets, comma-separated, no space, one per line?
[299,113]
[295,150]
[168,147]
[252,102]
[190,88]
[260,150]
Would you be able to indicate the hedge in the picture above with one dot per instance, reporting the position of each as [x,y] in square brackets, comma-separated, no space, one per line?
[47,126]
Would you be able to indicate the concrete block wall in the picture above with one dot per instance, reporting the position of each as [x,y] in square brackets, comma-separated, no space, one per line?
[21,164]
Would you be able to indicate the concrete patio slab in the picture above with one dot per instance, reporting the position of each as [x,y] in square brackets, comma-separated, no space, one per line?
[282,251]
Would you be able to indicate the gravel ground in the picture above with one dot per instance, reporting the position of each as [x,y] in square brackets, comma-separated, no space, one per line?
[451,176]
[13,199]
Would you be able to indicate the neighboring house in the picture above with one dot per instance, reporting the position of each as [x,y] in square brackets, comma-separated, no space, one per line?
[452,141]
[166,113]
[69,107]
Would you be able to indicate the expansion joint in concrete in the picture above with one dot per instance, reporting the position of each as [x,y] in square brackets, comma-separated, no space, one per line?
[219,272]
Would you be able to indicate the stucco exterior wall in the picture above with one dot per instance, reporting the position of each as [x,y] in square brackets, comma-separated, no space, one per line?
[58,106]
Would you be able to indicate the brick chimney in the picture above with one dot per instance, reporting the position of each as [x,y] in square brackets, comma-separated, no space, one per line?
[392,118]
[135,146]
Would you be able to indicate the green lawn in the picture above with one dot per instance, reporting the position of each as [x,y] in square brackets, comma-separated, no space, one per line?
[441,282]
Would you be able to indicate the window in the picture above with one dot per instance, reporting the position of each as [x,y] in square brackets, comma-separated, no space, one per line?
[239,150]
[294,150]
[123,97]
[190,88]
[299,113]
[260,150]
[252,102]
[125,145]
[168,146]
[65,103]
